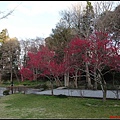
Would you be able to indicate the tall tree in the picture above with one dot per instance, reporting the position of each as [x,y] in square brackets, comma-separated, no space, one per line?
[10,56]
[4,36]
[58,40]
[80,20]
[109,21]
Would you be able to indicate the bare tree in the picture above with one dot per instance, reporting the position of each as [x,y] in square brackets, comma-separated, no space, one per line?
[103,14]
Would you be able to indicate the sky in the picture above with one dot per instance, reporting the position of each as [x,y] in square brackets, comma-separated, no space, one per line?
[32,19]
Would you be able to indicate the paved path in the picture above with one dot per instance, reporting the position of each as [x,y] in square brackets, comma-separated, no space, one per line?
[71,92]
[1,90]
[79,93]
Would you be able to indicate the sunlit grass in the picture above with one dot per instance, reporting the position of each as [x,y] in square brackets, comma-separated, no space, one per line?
[40,106]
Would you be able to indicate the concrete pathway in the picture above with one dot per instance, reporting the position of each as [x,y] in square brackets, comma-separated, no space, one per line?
[79,93]
[72,92]
[1,90]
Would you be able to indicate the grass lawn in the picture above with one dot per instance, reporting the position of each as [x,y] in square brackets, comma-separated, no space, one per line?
[23,106]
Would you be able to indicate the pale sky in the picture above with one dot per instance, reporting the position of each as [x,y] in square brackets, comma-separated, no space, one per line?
[32,19]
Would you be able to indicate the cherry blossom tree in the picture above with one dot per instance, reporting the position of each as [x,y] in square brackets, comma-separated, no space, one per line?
[43,63]
[99,52]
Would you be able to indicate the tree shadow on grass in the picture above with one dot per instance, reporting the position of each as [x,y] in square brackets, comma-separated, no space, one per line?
[61,96]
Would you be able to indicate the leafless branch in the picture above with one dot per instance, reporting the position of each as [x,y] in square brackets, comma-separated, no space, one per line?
[9,13]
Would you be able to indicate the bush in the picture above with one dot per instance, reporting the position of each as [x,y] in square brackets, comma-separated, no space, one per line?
[62,96]
[6,92]
[5,83]
[44,86]
[37,86]
[25,84]
[55,86]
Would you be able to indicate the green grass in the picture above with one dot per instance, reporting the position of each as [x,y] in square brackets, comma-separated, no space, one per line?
[23,106]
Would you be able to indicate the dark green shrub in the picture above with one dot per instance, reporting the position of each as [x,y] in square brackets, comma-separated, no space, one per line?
[62,96]
[25,84]
[37,86]
[44,86]
[55,86]
[6,82]
[6,92]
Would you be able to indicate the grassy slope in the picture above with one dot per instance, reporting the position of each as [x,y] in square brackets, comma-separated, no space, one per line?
[39,106]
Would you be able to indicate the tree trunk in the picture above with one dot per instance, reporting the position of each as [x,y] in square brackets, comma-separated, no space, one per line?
[95,80]
[66,79]
[35,74]
[11,80]
[117,91]
[76,85]
[95,85]
[52,88]
[105,89]
[103,85]
[11,75]
[58,82]
[16,76]
[104,93]
[113,78]
[22,78]
[89,85]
